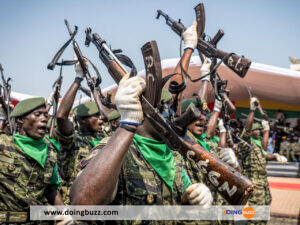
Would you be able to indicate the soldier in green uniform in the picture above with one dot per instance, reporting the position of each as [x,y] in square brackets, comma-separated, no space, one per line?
[28,171]
[254,160]
[75,146]
[137,169]
[113,122]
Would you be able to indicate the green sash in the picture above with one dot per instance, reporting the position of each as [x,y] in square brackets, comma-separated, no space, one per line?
[159,156]
[94,141]
[202,141]
[257,142]
[36,149]
[54,142]
[215,140]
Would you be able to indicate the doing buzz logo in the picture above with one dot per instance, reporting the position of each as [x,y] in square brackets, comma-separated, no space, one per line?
[247,212]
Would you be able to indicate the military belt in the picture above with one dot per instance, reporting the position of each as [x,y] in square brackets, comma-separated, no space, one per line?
[13,217]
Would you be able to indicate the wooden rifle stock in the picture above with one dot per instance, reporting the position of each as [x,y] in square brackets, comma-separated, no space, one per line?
[239,65]
[233,186]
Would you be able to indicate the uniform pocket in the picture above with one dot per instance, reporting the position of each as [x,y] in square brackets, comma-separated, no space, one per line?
[9,167]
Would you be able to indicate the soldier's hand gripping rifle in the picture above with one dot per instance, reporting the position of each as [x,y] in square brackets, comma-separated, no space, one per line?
[93,84]
[261,111]
[239,65]
[230,183]
[57,86]
[273,124]
[6,98]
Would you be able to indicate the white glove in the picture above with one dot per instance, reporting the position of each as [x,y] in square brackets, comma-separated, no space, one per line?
[127,99]
[280,158]
[265,125]
[253,103]
[228,156]
[51,98]
[217,106]
[190,37]
[221,127]
[78,69]
[2,113]
[205,69]
[64,219]
[199,194]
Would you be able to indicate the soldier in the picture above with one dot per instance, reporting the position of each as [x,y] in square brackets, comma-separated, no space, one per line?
[286,149]
[113,122]
[254,160]
[137,169]
[28,171]
[77,145]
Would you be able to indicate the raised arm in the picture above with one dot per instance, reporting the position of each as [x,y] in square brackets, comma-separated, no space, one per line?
[105,167]
[65,127]
[253,106]
[190,42]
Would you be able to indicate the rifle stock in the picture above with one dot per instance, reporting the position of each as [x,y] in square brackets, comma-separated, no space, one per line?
[239,65]
[233,186]
[6,99]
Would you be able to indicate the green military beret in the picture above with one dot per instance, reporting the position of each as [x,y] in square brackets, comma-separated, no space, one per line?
[27,105]
[86,109]
[256,126]
[166,96]
[187,103]
[113,115]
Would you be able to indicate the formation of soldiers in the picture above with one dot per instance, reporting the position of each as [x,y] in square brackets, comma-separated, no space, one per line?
[119,158]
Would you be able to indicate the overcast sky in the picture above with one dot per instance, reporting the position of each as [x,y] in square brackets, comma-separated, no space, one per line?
[265,31]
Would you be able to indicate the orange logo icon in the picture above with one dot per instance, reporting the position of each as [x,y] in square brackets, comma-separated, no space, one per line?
[248,212]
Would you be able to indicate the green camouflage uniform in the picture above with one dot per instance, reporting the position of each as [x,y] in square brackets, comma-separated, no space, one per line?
[218,199]
[139,183]
[74,149]
[254,166]
[23,182]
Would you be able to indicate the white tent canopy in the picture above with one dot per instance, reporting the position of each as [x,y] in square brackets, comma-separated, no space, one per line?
[266,82]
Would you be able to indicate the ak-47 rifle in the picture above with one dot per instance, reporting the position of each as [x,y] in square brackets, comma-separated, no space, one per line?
[57,86]
[92,83]
[235,187]
[86,91]
[273,124]
[6,98]
[261,111]
[239,65]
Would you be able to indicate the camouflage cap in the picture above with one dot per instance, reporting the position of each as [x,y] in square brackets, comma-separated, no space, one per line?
[113,115]
[86,109]
[27,105]
[187,103]
[166,96]
[256,126]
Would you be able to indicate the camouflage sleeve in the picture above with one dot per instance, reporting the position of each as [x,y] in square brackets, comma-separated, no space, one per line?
[65,142]
[246,136]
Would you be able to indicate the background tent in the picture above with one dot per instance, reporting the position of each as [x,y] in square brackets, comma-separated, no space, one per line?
[277,88]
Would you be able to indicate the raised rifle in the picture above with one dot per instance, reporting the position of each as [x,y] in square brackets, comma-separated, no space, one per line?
[57,86]
[273,124]
[232,185]
[92,83]
[261,111]
[239,65]
[6,98]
